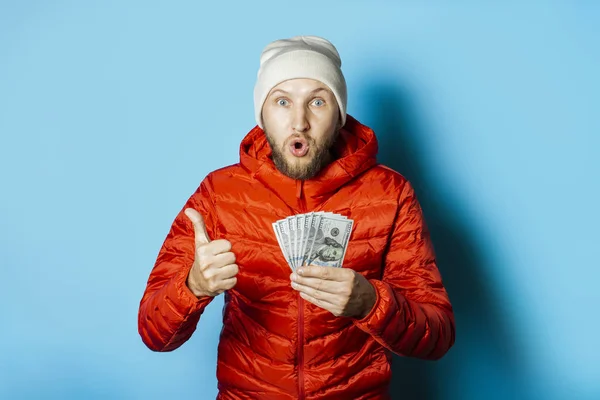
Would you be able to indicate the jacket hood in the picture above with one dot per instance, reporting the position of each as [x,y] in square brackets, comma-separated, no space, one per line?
[356,149]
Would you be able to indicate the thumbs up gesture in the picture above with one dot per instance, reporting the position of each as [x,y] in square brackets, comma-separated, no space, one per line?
[214,267]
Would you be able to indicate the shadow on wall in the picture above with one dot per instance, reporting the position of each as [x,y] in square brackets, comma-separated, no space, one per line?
[484,341]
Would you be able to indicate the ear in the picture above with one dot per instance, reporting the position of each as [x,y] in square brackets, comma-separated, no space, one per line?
[340,125]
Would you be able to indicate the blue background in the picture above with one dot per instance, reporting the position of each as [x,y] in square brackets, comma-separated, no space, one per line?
[112,112]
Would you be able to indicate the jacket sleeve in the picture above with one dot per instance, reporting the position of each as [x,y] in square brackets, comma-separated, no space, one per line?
[412,315]
[169,312]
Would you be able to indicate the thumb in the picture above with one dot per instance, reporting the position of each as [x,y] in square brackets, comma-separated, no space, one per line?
[200,232]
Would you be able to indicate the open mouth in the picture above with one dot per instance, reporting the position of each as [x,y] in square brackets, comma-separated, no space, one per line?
[298,147]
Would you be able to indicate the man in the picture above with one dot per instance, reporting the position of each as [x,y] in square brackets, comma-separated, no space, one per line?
[320,332]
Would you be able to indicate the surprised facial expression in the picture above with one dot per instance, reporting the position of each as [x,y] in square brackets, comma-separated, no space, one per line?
[301,120]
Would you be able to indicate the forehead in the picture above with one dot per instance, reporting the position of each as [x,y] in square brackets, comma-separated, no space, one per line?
[301,86]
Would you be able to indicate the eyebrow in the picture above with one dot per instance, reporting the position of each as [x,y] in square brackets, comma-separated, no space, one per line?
[311,93]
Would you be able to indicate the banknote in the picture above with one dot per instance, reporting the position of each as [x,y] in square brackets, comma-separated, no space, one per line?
[285,239]
[329,245]
[281,240]
[306,236]
[315,238]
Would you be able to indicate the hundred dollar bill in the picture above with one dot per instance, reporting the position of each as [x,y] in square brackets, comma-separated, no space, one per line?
[306,221]
[285,239]
[329,246]
[292,224]
[312,233]
[300,221]
[301,238]
[280,239]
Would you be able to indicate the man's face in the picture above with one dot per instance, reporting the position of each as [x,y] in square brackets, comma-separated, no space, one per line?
[301,120]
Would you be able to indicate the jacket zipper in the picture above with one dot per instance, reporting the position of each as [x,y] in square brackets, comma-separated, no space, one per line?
[300,348]
[300,196]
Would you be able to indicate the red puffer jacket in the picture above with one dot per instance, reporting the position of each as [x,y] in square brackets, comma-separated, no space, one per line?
[275,345]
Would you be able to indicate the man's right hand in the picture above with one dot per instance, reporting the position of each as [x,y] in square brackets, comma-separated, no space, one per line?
[214,269]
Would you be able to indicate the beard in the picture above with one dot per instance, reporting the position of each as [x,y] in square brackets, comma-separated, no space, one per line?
[321,154]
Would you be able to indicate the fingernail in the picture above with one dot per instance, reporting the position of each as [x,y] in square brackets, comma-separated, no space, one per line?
[294,276]
[300,271]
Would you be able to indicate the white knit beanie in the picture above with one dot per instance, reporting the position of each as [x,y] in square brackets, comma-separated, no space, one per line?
[309,57]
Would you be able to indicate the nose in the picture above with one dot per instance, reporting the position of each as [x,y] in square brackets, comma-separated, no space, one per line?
[300,119]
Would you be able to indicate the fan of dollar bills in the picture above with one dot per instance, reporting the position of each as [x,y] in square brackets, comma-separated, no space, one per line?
[317,238]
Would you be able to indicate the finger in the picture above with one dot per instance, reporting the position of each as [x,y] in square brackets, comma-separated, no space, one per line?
[220,246]
[319,302]
[222,285]
[227,272]
[222,259]
[216,247]
[327,273]
[209,261]
[229,283]
[323,285]
[219,275]
[200,233]
[315,293]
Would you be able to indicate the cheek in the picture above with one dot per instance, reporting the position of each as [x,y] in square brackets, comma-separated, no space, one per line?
[326,127]
[276,123]
[274,138]
[275,115]
[327,117]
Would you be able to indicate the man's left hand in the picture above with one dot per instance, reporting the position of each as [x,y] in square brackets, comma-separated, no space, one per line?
[342,291]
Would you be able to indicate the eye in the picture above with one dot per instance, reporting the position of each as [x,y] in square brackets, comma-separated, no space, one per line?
[318,102]
[282,102]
